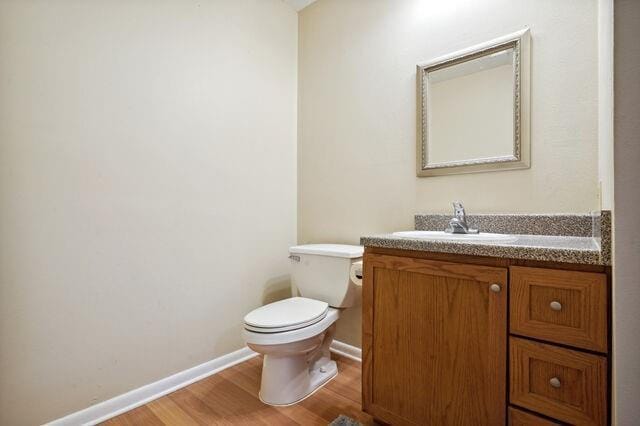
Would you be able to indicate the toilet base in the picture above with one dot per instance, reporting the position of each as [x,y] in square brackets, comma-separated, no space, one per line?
[317,381]
[293,371]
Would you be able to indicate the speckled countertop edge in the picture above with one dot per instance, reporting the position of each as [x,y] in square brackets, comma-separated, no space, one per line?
[602,234]
[593,247]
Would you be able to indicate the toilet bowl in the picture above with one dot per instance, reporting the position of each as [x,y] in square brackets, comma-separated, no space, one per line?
[294,335]
[296,361]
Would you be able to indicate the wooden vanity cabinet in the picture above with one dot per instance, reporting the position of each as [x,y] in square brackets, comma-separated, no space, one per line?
[434,341]
[466,340]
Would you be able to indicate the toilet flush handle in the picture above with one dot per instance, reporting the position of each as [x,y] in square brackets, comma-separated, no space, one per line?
[294,258]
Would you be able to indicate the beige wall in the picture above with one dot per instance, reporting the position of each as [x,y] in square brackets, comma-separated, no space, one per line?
[626,268]
[605,102]
[356,114]
[147,185]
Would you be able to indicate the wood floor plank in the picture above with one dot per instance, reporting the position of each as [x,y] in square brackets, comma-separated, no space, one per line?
[231,398]
[348,383]
[236,405]
[302,416]
[141,416]
[170,413]
[197,409]
[330,405]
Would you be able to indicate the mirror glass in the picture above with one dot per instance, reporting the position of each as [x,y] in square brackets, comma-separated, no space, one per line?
[473,109]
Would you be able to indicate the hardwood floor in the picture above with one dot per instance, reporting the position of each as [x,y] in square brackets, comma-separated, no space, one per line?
[231,398]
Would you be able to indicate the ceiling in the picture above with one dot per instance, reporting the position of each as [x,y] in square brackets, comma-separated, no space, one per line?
[298,5]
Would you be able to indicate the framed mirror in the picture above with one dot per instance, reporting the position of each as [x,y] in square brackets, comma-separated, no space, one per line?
[473,109]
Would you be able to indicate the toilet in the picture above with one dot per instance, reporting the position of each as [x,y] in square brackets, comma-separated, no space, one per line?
[294,335]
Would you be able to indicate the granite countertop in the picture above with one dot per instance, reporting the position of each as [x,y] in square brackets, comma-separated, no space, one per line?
[580,246]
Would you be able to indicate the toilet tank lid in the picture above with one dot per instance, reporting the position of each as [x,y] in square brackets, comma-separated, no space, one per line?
[334,250]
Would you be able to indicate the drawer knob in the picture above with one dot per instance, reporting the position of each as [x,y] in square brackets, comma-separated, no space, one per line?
[555,305]
[495,288]
[555,382]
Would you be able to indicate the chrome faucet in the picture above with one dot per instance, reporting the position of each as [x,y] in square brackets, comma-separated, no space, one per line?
[458,224]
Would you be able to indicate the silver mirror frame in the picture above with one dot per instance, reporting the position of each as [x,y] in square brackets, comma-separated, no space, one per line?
[520,42]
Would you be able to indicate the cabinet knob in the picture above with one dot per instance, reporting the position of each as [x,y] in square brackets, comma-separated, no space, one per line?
[495,288]
[555,305]
[555,382]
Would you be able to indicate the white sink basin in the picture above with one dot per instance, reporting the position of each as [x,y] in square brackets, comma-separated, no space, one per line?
[445,236]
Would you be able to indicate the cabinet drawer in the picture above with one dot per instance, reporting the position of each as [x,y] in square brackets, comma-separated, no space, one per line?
[567,307]
[564,384]
[522,418]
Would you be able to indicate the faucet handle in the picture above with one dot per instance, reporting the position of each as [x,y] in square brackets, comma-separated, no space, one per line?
[458,225]
[458,210]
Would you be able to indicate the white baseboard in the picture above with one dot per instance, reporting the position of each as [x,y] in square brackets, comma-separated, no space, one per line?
[347,351]
[128,401]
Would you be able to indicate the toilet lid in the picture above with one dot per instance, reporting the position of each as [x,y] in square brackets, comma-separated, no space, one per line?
[287,314]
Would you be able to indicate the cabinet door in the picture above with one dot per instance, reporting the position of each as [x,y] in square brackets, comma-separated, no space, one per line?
[434,342]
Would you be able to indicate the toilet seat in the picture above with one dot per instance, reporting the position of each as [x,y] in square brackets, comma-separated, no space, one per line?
[284,337]
[281,329]
[286,315]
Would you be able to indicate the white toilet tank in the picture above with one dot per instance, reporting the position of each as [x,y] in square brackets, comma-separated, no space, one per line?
[321,272]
